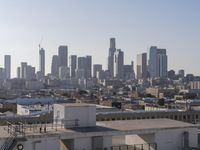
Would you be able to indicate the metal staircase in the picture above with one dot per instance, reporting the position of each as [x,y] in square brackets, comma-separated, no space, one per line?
[16,133]
[9,143]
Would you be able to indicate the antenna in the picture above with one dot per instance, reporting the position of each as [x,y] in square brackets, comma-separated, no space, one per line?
[40,43]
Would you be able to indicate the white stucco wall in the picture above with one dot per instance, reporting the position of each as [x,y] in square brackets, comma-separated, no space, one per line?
[83,143]
[85,115]
[58,113]
[107,141]
[173,139]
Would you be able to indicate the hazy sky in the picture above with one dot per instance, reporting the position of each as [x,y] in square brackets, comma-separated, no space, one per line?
[86,26]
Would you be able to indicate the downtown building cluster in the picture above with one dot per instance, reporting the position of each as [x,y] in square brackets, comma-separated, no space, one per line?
[76,70]
[64,67]
[79,71]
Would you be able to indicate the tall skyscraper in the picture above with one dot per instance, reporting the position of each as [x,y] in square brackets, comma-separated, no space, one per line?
[18,72]
[22,69]
[63,55]
[73,65]
[29,72]
[96,68]
[42,61]
[81,70]
[7,66]
[81,62]
[88,67]
[153,62]
[55,66]
[162,63]
[112,50]
[142,66]
[85,64]
[157,62]
[119,64]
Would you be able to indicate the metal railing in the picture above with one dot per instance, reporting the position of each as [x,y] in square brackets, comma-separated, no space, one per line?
[20,129]
[14,131]
[145,146]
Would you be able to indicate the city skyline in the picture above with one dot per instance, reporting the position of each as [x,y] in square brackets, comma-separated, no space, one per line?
[85,31]
[106,67]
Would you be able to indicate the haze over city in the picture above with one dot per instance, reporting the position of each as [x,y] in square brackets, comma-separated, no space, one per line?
[86,26]
[99,75]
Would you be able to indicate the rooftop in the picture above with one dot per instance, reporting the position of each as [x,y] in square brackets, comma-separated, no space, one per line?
[145,124]
[104,128]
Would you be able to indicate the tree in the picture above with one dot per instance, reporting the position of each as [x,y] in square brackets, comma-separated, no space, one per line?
[161,102]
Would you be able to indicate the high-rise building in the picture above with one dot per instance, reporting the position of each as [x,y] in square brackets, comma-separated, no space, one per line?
[96,68]
[22,69]
[7,66]
[63,56]
[142,66]
[55,66]
[129,72]
[162,63]
[73,65]
[153,62]
[2,74]
[101,75]
[181,73]
[157,62]
[64,73]
[18,72]
[88,67]
[112,50]
[39,76]
[80,73]
[171,74]
[29,72]
[119,64]
[81,62]
[42,61]
[85,63]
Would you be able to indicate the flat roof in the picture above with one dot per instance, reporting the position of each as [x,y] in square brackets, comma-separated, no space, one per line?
[145,124]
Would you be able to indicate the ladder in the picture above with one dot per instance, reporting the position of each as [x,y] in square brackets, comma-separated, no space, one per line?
[9,143]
